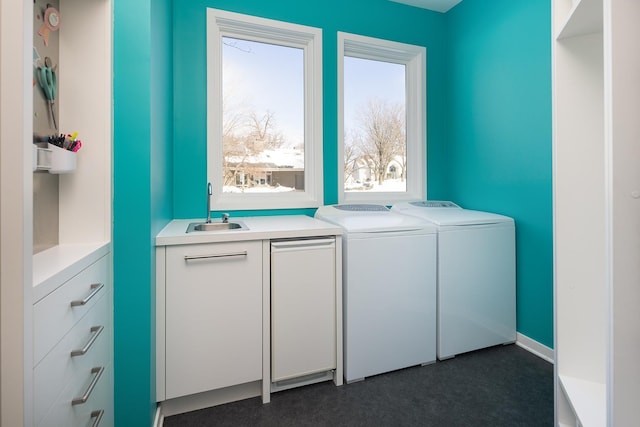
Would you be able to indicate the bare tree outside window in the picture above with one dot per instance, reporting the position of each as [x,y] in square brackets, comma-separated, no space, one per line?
[375,146]
[382,137]
[264,113]
[351,156]
[261,153]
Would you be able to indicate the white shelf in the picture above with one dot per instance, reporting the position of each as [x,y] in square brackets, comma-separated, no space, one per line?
[595,105]
[56,265]
[588,400]
[585,17]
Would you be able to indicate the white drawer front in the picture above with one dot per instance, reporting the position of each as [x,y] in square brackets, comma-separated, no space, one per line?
[54,315]
[64,414]
[59,368]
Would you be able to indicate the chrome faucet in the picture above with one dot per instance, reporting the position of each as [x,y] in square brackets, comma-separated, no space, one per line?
[209,193]
[225,218]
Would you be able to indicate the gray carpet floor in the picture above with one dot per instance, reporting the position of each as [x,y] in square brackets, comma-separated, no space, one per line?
[499,386]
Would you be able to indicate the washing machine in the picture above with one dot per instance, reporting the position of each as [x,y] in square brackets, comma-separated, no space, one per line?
[389,289]
[476,276]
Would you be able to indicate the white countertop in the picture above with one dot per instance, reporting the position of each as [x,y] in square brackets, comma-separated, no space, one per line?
[259,228]
[56,265]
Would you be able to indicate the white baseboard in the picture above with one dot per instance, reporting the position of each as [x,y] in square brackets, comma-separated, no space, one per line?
[533,346]
[158,421]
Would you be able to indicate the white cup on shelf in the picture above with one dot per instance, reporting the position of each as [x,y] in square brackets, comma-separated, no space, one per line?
[62,161]
[56,160]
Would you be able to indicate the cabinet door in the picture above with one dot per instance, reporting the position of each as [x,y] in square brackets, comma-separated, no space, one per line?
[213,316]
[303,314]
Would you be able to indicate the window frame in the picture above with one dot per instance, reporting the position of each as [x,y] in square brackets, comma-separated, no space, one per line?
[414,59]
[221,24]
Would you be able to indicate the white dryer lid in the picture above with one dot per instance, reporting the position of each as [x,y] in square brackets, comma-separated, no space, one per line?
[371,218]
[450,215]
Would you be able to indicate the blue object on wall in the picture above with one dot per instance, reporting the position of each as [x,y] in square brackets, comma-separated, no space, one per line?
[499,145]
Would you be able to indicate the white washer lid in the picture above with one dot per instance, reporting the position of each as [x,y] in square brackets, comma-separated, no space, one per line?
[371,218]
[450,215]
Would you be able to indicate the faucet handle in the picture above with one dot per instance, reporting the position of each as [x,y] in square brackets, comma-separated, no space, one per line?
[209,189]
[225,217]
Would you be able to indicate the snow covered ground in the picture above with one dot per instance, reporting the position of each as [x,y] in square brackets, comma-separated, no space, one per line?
[388,186]
[257,189]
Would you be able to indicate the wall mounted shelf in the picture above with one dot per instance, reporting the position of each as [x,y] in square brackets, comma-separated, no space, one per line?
[596,212]
[584,17]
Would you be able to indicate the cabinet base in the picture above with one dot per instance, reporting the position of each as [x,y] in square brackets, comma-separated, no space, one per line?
[207,399]
[302,381]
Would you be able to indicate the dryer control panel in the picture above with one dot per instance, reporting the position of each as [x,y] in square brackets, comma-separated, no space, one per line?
[434,204]
[362,208]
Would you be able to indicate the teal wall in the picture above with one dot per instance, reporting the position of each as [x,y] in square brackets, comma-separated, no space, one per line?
[489,138]
[142,194]
[498,151]
[374,18]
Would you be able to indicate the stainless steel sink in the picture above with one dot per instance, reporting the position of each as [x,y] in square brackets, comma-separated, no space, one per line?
[216,226]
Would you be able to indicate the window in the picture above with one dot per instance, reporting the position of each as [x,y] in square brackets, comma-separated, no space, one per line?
[381,123]
[264,112]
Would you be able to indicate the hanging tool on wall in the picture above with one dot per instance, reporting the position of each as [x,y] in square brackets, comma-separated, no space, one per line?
[49,84]
[50,22]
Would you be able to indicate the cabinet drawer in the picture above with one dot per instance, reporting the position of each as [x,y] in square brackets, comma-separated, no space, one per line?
[64,414]
[59,368]
[54,315]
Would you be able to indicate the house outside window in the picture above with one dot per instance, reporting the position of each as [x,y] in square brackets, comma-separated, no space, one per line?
[264,112]
[381,123]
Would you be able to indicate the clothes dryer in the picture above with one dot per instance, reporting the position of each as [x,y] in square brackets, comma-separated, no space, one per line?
[476,276]
[389,289]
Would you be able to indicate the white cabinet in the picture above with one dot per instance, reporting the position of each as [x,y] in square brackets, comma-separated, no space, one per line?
[596,100]
[236,309]
[213,316]
[303,308]
[84,212]
[72,373]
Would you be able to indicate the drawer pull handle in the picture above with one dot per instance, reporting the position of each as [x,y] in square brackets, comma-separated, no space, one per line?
[96,287]
[80,400]
[227,255]
[96,331]
[98,416]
